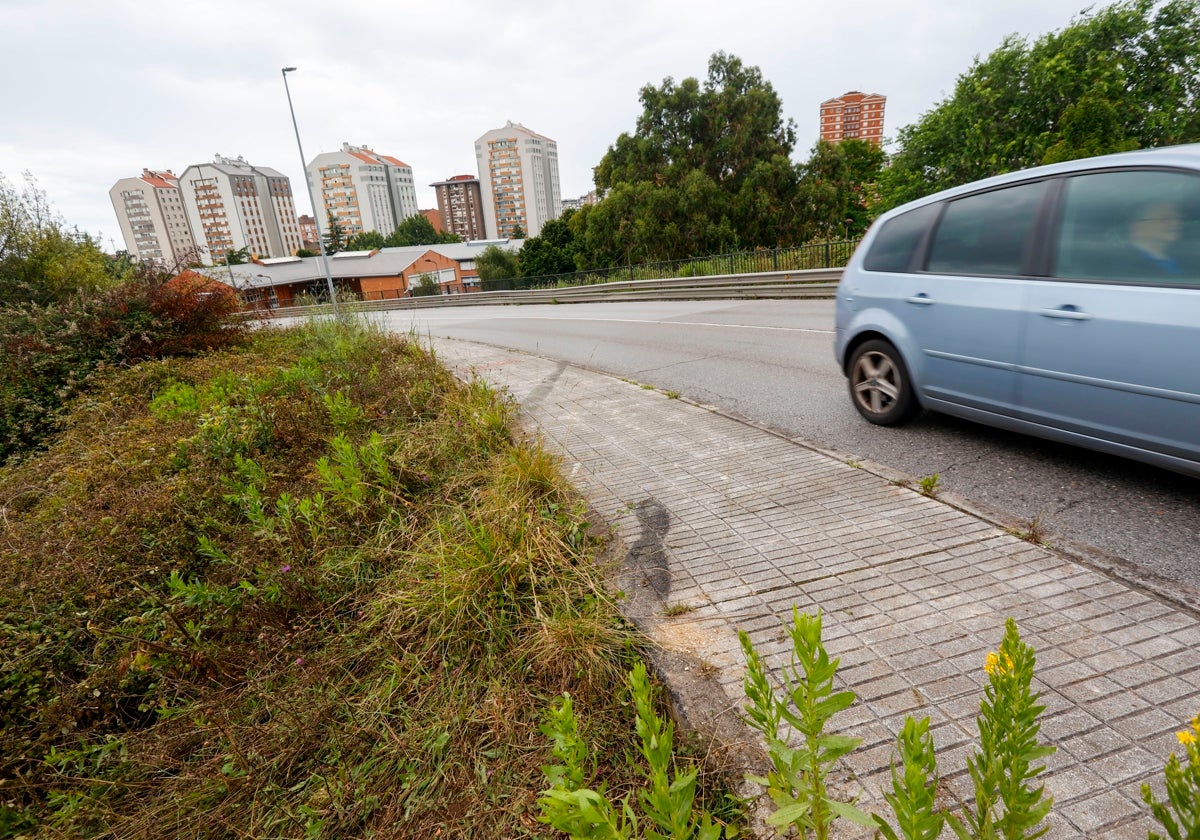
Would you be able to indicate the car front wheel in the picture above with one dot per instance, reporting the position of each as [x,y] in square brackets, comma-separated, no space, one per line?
[879,384]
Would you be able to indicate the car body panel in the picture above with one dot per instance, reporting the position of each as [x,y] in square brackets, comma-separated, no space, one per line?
[1123,366]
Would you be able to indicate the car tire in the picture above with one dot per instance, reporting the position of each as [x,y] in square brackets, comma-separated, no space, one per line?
[880,387]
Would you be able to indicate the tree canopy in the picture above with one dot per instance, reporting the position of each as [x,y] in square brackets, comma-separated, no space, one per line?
[335,235]
[368,240]
[552,251]
[417,230]
[494,265]
[1126,76]
[41,261]
[707,169]
[837,193]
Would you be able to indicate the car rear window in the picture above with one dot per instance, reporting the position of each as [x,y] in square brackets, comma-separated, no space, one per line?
[898,239]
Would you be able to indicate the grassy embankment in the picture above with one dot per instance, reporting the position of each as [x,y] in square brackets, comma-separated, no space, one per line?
[310,587]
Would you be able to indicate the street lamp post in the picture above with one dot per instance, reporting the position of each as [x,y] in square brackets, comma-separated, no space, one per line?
[308,186]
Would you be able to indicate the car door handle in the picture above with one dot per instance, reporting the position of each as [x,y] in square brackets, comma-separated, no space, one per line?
[1067,312]
[921,299]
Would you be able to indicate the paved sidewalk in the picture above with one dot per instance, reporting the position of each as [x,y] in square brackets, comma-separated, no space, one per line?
[741,524]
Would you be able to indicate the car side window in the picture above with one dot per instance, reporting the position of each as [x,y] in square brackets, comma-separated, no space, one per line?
[1133,226]
[898,239]
[986,233]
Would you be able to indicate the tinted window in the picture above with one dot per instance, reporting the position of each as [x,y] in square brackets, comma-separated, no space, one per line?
[893,246]
[986,233]
[1140,227]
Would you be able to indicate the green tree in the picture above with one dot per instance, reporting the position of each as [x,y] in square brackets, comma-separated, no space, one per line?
[517,232]
[837,191]
[426,286]
[1089,127]
[335,235]
[552,251]
[240,256]
[1131,71]
[707,169]
[368,240]
[305,252]
[497,268]
[417,230]
[41,260]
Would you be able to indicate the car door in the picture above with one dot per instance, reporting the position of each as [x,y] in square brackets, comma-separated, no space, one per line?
[1112,337]
[965,309]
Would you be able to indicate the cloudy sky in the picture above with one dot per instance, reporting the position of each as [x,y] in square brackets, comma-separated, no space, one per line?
[97,91]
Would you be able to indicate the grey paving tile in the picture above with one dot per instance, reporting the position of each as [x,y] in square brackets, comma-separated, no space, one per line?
[914,592]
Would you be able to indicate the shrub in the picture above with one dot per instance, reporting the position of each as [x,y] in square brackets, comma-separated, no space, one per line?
[52,351]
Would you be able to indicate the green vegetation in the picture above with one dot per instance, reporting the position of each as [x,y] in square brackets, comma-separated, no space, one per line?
[667,799]
[415,230]
[334,235]
[41,260]
[802,751]
[305,587]
[497,268]
[553,251]
[67,311]
[706,171]
[51,352]
[793,709]
[1179,813]
[930,485]
[836,192]
[426,286]
[1123,76]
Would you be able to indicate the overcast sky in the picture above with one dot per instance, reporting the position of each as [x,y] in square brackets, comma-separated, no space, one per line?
[96,91]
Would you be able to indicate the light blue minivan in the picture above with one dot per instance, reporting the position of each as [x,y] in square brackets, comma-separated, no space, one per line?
[1061,301]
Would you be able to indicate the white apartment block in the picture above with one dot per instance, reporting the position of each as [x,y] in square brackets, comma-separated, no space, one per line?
[153,221]
[232,205]
[362,189]
[518,179]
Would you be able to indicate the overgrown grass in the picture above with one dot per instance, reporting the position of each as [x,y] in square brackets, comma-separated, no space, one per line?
[311,587]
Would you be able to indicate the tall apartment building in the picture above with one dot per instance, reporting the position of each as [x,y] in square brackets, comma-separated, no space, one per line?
[460,204]
[362,189]
[232,205]
[518,180]
[853,114]
[153,221]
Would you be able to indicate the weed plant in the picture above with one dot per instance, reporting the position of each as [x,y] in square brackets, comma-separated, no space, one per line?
[798,780]
[309,587]
[1179,813]
[666,802]
[930,485]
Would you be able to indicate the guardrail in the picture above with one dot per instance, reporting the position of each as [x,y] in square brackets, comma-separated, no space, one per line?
[811,283]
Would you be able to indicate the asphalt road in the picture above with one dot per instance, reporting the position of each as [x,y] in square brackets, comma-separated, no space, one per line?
[772,362]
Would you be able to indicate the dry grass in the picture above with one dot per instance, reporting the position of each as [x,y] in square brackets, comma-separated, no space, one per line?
[310,588]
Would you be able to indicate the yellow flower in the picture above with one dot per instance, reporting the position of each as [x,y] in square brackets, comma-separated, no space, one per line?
[1186,737]
[992,662]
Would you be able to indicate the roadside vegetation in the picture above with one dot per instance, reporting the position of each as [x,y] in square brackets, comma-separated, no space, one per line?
[308,586]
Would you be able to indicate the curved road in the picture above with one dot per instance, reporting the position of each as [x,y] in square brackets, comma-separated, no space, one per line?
[771,361]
